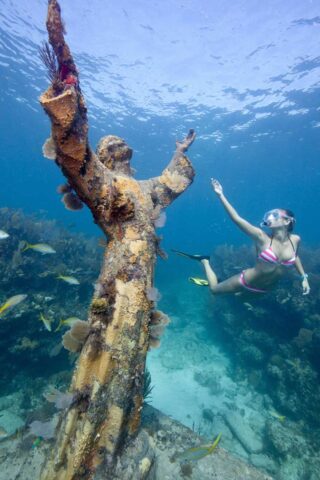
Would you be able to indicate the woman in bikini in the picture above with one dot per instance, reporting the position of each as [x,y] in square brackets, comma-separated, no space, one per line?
[275,253]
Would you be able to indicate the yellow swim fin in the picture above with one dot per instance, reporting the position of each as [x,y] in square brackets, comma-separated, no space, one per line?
[199,281]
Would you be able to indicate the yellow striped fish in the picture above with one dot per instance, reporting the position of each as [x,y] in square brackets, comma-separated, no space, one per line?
[11,302]
[196,453]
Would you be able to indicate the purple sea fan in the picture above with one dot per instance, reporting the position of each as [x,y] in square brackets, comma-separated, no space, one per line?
[64,188]
[71,201]
[43,429]
[63,400]
[98,289]
[80,331]
[49,149]
[60,399]
[160,221]
[153,294]
[159,318]
[156,330]
[158,322]
[71,343]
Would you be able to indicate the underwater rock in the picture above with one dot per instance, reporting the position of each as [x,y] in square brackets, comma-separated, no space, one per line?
[21,459]
[296,389]
[11,402]
[264,461]
[235,448]
[220,465]
[315,348]
[170,361]
[277,360]
[24,344]
[230,443]
[10,423]
[314,467]
[244,433]
[259,339]
[285,439]
[209,379]
[304,338]
[252,354]
[208,414]
[219,425]
[274,372]
[292,469]
[255,377]
[183,351]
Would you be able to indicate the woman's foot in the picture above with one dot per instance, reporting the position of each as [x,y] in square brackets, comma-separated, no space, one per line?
[210,274]
[205,261]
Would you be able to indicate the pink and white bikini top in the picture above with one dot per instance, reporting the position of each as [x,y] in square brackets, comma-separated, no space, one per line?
[269,256]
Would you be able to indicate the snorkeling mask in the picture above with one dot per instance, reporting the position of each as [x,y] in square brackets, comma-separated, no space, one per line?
[274,214]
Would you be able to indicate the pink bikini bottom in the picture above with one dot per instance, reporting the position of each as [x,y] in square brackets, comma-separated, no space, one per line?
[249,287]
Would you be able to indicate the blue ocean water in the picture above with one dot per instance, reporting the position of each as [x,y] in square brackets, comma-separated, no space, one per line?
[245,76]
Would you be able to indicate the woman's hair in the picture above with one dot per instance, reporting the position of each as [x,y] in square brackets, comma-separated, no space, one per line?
[291,217]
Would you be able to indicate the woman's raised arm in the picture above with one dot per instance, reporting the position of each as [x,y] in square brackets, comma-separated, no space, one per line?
[254,232]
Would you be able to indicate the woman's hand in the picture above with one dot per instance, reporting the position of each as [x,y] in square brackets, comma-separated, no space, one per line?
[217,187]
[305,287]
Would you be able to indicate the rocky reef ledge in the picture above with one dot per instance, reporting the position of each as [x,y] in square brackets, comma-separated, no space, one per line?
[151,456]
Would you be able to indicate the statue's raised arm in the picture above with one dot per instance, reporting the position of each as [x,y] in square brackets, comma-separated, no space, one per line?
[64,103]
[176,177]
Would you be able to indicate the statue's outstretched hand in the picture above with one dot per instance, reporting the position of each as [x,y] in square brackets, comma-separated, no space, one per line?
[217,187]
[185,144]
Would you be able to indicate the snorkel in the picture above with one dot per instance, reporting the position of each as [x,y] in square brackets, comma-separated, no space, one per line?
[275,214]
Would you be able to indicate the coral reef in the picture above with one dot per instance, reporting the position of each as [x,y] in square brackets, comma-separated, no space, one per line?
[273,346]
[273,342]
[149,455]
[25,344]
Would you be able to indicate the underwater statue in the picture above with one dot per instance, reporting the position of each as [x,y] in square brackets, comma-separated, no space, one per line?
[108,380]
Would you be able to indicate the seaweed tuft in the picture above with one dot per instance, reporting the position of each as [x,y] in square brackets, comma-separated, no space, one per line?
[147,386]
[49,60]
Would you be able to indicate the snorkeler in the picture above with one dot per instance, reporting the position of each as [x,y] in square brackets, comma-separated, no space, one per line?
[275,252]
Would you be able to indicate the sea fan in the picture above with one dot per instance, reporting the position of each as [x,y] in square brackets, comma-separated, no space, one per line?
[153,294]
[43,429]
[49,149]
[158,321]
[60,399]
[71,343]
[49,60]
[71,201]
[64,188]
[80,331]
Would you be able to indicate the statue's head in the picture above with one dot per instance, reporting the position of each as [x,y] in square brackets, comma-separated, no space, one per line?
[115,154]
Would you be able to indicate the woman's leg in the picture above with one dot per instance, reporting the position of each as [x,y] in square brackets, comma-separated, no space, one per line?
[231,285]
